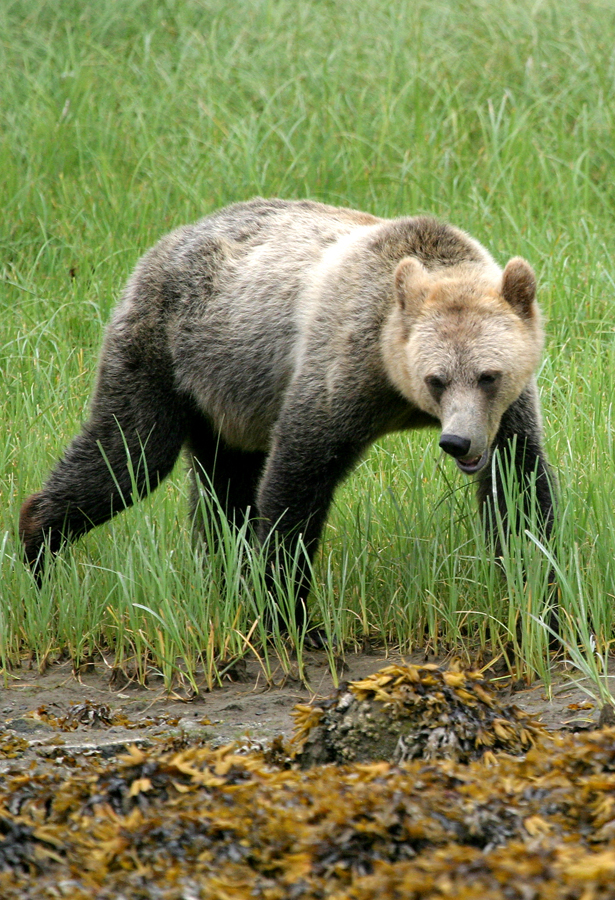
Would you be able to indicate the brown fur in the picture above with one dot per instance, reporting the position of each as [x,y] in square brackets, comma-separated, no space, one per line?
[31,528]
[275,341]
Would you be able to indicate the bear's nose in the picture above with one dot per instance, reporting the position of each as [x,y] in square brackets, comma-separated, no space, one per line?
[455,445]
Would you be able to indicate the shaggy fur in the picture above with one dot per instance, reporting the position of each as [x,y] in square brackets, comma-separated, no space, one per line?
[275,341]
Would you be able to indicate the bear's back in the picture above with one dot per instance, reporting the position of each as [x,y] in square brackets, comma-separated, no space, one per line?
[235,333]
[245,298]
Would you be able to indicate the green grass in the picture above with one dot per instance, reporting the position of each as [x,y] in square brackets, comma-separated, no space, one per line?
[121,121]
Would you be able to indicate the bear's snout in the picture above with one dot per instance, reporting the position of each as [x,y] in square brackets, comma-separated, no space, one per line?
[464,435]
[455,445]
[460,448]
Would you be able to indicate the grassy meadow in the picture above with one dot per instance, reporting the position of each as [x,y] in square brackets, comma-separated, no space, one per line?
[120,121]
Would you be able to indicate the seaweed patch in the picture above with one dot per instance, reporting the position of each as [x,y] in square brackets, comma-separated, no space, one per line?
[198,822]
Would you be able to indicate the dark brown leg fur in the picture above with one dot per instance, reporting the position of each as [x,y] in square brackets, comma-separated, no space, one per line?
[134,435]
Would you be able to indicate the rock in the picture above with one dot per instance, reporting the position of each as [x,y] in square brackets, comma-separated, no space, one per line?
[408,712]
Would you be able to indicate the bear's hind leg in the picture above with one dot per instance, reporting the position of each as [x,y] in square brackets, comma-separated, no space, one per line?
[134,435]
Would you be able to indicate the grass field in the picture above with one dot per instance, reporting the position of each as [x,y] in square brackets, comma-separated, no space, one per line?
[121,121]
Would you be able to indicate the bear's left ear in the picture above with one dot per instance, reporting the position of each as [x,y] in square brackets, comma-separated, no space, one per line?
[519,287]
[412,284]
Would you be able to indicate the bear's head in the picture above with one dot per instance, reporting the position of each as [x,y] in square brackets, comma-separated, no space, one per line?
[467,343]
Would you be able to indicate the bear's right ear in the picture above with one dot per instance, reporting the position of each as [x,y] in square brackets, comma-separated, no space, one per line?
[411,284]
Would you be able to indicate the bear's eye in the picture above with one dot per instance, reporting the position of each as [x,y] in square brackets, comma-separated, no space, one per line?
[436,385]
[488,379]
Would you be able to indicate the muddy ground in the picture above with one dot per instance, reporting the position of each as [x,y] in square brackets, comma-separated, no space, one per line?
[60,714]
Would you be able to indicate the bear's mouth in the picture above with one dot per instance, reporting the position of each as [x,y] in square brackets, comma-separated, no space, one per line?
[472,465]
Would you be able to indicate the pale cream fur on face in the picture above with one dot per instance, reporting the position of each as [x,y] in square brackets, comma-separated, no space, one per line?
[457,329]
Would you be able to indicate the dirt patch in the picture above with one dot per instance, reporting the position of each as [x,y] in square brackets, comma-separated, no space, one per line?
[55,713]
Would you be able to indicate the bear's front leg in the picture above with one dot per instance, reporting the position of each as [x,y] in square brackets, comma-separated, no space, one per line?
[519,442]
[294,498]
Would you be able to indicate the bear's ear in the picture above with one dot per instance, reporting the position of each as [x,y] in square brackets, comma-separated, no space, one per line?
[411,284]
[519,287]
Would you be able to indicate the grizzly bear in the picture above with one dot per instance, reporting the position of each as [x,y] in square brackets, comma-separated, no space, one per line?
[275,341]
